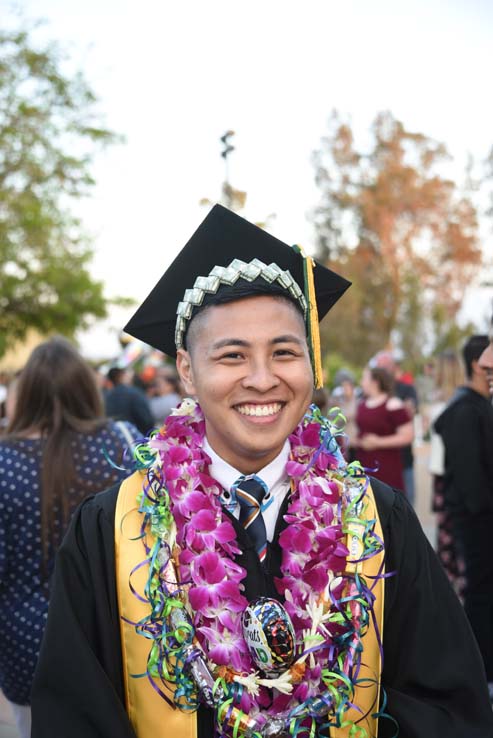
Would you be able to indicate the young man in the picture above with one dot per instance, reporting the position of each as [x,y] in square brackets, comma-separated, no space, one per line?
[466,428]
[242,570]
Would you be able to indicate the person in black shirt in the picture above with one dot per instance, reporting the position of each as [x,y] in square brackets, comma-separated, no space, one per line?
[466,428]
[125,402]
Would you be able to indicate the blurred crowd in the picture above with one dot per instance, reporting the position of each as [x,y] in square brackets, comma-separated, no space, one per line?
[65,426]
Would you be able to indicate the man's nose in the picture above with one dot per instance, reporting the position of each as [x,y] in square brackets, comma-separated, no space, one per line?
[261,376]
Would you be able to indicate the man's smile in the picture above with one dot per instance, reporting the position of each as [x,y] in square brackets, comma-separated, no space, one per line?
[259,410]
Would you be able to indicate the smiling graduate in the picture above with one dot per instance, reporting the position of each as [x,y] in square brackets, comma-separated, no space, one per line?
[244,580]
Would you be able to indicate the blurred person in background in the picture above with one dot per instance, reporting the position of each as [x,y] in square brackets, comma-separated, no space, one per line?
[56,452]
[486,364]
[384,428]
[8,402]
[466,428]
[345,396]
[405,391]
[320,398]
[3,397]
[165,391]
[448,375]
[125,402]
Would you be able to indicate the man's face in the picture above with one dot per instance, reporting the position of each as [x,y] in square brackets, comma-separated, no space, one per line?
[250,370]
[486,366]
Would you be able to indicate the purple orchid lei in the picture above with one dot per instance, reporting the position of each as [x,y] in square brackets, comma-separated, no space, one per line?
[329,607]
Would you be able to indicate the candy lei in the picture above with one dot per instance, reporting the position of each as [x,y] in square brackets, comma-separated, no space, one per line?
[186,531]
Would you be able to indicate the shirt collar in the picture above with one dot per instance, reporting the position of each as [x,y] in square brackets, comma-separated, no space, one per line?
[227,475]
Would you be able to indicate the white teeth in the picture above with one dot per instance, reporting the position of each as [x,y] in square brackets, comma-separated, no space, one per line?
[259,410]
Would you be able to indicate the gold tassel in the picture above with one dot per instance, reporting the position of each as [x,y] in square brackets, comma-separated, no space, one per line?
[312,318]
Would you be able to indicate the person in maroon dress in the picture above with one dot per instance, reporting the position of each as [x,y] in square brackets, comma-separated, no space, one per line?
[384,427]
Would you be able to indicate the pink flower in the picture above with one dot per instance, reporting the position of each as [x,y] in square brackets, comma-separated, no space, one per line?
[178,454]
[297,538]
[294,562]
[226,647]
[209,485]
[203,531]
[217,612]
[204,596]
[207,568]
[310,435]
[310,686]
[189,500]
[295,469]
[316,576]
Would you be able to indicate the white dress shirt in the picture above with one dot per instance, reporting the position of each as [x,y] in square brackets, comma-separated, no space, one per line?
[273,475]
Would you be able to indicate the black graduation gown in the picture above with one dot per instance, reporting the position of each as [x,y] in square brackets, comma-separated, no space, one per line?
[433,676]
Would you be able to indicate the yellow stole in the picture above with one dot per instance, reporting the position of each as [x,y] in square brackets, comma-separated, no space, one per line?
[150,715]
[367,691]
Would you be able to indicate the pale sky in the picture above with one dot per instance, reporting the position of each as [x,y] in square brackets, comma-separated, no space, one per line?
[174,76]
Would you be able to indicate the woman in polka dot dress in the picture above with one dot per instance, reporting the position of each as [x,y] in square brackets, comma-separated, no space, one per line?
[55,454]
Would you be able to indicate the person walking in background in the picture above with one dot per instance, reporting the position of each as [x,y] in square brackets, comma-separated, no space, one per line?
[165,388]
[466,428]
[449,374]
[320,398]
[486,363]
[345,396]
[125,402]
[384,428]
[406,392]
[57,451]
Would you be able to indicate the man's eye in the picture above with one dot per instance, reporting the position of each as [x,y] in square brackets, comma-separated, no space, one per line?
[284,352]
[231,355]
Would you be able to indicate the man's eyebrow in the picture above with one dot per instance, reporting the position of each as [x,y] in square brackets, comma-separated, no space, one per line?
[229,342]
[287,338]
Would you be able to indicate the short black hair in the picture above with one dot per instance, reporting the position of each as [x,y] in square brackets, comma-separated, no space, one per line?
[227,294]
[472,350]
[115,374]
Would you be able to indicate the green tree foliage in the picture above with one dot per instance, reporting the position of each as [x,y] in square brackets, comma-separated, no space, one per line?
[404,234]
[48,133]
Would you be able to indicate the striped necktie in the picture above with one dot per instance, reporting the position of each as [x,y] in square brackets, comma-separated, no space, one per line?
[250,492]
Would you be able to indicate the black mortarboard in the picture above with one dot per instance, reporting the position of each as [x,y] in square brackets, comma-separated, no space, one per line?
[222,237]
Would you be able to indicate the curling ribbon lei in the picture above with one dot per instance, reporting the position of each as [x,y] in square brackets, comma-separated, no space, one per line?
[150,715]
[312,316]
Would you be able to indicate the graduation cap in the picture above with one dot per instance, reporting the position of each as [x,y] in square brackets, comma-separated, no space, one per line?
[226,252]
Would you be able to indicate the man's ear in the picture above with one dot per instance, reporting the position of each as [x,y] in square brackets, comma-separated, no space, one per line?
[475,368]
[184,368]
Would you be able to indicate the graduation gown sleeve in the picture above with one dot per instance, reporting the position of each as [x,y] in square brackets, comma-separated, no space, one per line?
[78,686]
[433,674]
